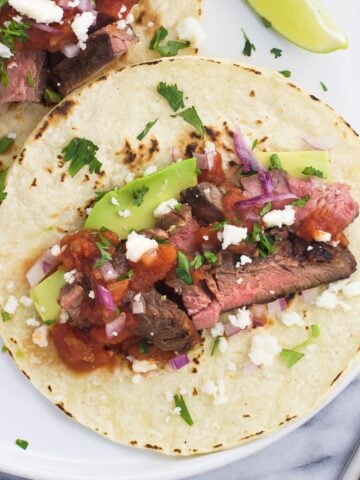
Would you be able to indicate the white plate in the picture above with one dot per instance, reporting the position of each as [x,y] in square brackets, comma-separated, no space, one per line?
[60,448]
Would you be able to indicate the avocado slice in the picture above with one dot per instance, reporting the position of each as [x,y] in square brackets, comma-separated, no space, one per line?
[45,295]
[151,190]
[295,162]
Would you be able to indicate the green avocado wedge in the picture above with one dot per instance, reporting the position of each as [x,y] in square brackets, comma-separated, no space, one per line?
[140,198]
[45,296]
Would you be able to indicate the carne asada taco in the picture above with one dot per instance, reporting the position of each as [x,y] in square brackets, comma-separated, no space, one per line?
[50,47]
[164,283]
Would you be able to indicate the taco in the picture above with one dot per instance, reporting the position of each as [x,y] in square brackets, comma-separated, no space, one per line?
[178,265]
[47,49]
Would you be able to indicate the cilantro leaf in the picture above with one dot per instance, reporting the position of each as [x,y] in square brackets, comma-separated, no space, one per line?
[219,226]
[285,73]
[314,172]
[215,346]
[3,2]
[22,443]
[197,262]
[173,95]
[290,357]
[254,145]
[4,76]
[3,194]
[12,31]
[30,79]
[248,47]
[275,162]
[50,96]
[264,243]
[102,245]
[5,316]
[323,86]
[5,143]
[183,269]
[138,195]
[276,52]
[144,347]
[266,22]
[146,130]
[301,202]
[160,34]
[171,49]
[184,412]
[266,208]
[210,257]
[191,116]
[4,349]
[315,333]
[81,152]
[49,323]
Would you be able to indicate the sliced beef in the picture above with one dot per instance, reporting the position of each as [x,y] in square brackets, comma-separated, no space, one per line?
[206,202]
[72,296]
[165,325]
[120,263]
[182,229]
[27,77]
[103,47]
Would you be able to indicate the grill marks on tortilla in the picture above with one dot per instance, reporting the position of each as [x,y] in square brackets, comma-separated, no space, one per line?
[139,156]
[61,406]
[336,378]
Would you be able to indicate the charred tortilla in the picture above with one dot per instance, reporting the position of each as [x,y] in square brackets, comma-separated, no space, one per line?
[44,203]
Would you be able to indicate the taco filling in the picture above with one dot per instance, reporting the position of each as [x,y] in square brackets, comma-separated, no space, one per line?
[172,253]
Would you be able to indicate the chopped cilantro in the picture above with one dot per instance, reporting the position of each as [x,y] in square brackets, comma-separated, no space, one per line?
[215,346]
[210,257]
[184,412]
[5,316]
[197,262]
[248,47]
[275,162]
[290,357]
[183,269]
[254,145]
[4,76]
[276,52]
[22,443]
[100,195]
[266,208]
[105,255]
[323,86]
[144,347]
[314,172]
[5,143]
[3,194]
[173,95]
[81,152]
[4,349]
[301,202]
[146,130]
[130,273]
[30,79]
[264,243]
[12,31]
[50,96]
[285,73]
[3,2]
[49,323]
[139,194]
[191,116]
[160,34]
[266,22]
[171,48]
[219,226]
[315,333]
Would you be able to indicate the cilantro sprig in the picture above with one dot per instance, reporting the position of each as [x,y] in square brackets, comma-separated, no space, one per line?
[172,94]
[301,202]
[275,162]
[80,152]
[183,269]
[139,194]
[105,256]
[314,172]
[277,52]
[248,46]
[191,116]
[13,31]
[5,316]
[5,143]
[171,48]
[184,411]
[264,243]
[215,346]
[146,130]
[22,443]
[292,356]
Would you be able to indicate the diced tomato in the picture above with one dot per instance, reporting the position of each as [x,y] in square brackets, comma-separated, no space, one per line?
[322,221]
[216,175]
[112,7]
[118,290]
[77,349]
[232,196]
[211,241]
[153,267]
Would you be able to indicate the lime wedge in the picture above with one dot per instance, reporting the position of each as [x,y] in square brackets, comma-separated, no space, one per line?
[304,22]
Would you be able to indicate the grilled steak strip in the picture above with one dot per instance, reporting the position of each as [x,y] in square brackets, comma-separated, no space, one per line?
[165,325]
[206,202]
[102,48]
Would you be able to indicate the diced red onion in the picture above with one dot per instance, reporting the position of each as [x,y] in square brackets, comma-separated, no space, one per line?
[310,295]
[320,143]
[202,161]
[246,156]
[41,268]
[86,5]
[138,305]
[276,307]
[250,368]
[230,330]
[70,50]
[114,328]
[266,182]
[176,154]
[261,199]
[46,28]
[259,314]
[64,4]
[108,272]
[105,298]
[179,361]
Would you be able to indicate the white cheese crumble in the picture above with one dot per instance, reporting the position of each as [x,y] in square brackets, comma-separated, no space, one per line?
[74,3]
[124,213]
[150,24]
[239,281]
[43,11]
[5,51]
[217,330]
[26,301]
[352,289]
[55,250]
[11,135]
[80,25]
[143,366]
[32,322]
[244,259]
[136,378]
[130,18]
[88,210]
[138,245]
[321,236]
[329,300]
[223,345]
[122,10]
[278,218]
[291,318]
[206,238]
[69,277]
[233,235]
[216,390]
[241,319]
[129,177]
[64,316]
[149,170]
[264,349]
[169,396]
[92,294]
[40,336]
[114,201]
[176,411]
[165,207]
[191,29]
[11,305]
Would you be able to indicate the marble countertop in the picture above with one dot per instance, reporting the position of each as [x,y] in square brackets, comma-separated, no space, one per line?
[318,450]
